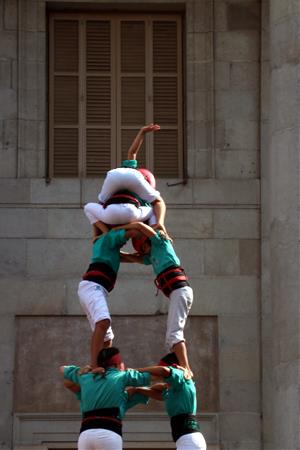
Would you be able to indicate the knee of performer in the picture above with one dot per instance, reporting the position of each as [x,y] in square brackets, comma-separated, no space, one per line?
[102,325]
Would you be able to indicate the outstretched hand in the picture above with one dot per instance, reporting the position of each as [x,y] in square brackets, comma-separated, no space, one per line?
[151,127]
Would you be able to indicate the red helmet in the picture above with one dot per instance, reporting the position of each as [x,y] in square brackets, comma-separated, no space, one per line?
[138,242]
[148,176]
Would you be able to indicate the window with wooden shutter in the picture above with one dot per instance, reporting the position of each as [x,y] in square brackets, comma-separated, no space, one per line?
[108,76]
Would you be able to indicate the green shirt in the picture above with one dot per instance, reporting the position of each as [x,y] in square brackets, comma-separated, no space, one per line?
[106,249]
[162,254]
[180,397]
[105,391]
[129,163]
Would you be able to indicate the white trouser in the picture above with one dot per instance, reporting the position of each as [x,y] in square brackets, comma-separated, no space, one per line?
[191,441]
[127,179]
[180,303]
[93,300]
[118,214]
[99,439]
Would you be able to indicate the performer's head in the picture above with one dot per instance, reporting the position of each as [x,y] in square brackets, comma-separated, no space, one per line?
[141,244]
[148,176]
[110,357]
[168,360]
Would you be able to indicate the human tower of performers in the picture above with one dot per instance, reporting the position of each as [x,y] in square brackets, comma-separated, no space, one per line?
[130,207]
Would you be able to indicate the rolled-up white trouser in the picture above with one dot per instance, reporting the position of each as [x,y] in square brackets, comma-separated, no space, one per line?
[93,300]
[118,214]
[191,441]
[128,179]
[180,304]
[99,439]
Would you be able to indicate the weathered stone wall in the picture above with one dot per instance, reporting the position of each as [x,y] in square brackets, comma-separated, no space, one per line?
[280,205]
[214,219]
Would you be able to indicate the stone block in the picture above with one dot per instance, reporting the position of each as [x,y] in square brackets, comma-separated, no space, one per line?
[23,223]
[8,159]
[279,10]
[239,395]
[249,250]
[222,75]
[237,105]
[10,14]
[13,260]
[199,138]
[176,194]
[68,223]
[199,16]
[189,223]
[29,15]
[8,105]
[8,44]
[72,304]
[221,257]
[191,255]
[28,132]
[243,16]
[59,191]
[14,191]
[10,132]
[199,164]
[199,76]
[284,105]
[221,295]
[265,91]
[238,330]
[199,47]
[237,224]
[220,16]
[245,75]
[240,363]
[34,296]
[91,188]
[237,164]
[5,74]
[29,104]
[32,163]
[240,431]
[224,192]
[32,46]
[241,134]
[57,258]
[237,46]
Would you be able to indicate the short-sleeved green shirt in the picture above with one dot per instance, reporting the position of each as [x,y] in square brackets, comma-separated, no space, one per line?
[106,249]
[180,397]
[105,391]
[162,254]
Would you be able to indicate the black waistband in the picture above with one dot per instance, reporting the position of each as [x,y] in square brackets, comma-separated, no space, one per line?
[106,418]
[122,197]
[101,273]
[170,279]
[184,424]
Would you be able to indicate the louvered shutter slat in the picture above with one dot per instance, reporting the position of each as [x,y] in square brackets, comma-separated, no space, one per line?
[165,100]
[65,100]
[133,46]
[98,107]
[98,152]
[164,46]
[65,157]
[66,45]
[133,101]
[98,46]
[166,153]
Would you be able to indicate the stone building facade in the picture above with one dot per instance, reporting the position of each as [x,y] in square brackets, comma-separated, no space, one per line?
[234,220]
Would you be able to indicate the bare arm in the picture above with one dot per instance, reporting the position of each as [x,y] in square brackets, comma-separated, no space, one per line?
[139,139]
[131,258]
[157,371]
[137,226]
[73,387]
[159,208]
[150,392]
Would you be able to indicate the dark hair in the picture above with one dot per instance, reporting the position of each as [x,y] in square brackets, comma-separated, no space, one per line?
[170,359]
[105,354]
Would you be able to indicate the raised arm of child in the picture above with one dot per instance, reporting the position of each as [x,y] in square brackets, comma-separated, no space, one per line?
[139,139]
[137,226]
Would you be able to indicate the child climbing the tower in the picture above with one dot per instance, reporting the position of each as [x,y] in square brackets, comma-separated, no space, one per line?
[129,194]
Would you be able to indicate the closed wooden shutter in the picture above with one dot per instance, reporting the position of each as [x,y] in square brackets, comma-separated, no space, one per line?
[109,76]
